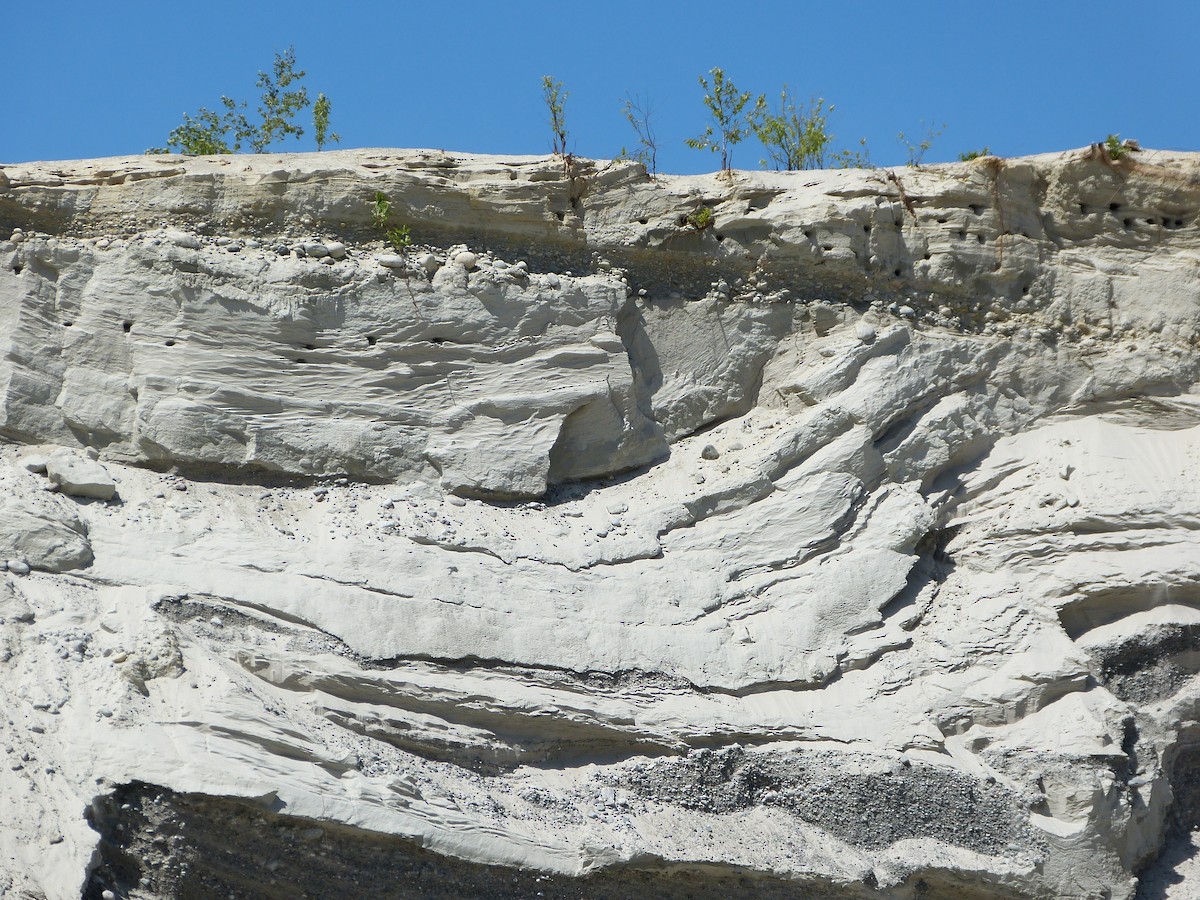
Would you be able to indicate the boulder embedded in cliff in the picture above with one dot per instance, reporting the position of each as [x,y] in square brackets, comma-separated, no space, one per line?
[80,477]
[46,536]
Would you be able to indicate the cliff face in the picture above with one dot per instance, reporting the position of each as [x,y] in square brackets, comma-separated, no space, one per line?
[847,545]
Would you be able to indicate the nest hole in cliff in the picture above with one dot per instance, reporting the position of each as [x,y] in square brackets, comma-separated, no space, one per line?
[126,326]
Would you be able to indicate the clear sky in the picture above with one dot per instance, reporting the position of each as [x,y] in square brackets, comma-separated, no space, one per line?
[85,79]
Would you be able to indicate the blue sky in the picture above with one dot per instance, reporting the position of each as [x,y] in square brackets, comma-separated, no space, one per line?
[87,80]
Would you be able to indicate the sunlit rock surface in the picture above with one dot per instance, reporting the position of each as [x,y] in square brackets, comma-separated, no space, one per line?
[849,547]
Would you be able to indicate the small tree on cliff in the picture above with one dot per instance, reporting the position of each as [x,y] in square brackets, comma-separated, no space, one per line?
[726,107]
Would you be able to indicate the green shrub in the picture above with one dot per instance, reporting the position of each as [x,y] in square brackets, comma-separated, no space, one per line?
[1115,148]
[974,154]
[227,132]
[794,136]
[321,108]
[556,101]
[701,219]
[726,107]
[381,213]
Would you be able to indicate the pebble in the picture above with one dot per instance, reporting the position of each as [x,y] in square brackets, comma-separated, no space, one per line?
[710,452]
[328,260]
[315,249]
[391,260]
[428,262]
[108,895]
[18,567]
[865,332]
[455,500]
[907,311]
[223,241]
[336,249]
[103,244]
[466,259]
[553,280]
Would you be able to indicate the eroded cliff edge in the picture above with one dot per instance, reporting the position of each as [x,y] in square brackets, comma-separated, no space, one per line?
[847,545]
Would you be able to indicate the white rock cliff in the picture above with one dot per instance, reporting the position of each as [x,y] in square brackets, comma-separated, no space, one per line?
[849,547]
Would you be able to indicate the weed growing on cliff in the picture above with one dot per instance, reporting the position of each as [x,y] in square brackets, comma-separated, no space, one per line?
[282,98]
[726,107]
[556,101]
[701,219]
[974,154]
[859,158]
[321,108]
[1113,145]
[794,135]
[917,151]
[396,235]
[637,113]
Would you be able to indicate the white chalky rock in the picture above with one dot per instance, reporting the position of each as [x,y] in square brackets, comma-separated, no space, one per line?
[391,260]
[878,644]
[466,259]
[43,533]
[80,476]
[35,463]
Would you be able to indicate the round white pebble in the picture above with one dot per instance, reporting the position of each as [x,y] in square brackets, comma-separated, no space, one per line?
[466,259]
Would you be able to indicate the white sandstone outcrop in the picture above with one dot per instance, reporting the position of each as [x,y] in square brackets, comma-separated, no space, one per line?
[847,546]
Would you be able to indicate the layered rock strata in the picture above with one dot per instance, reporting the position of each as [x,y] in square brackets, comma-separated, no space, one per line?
[847,547]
